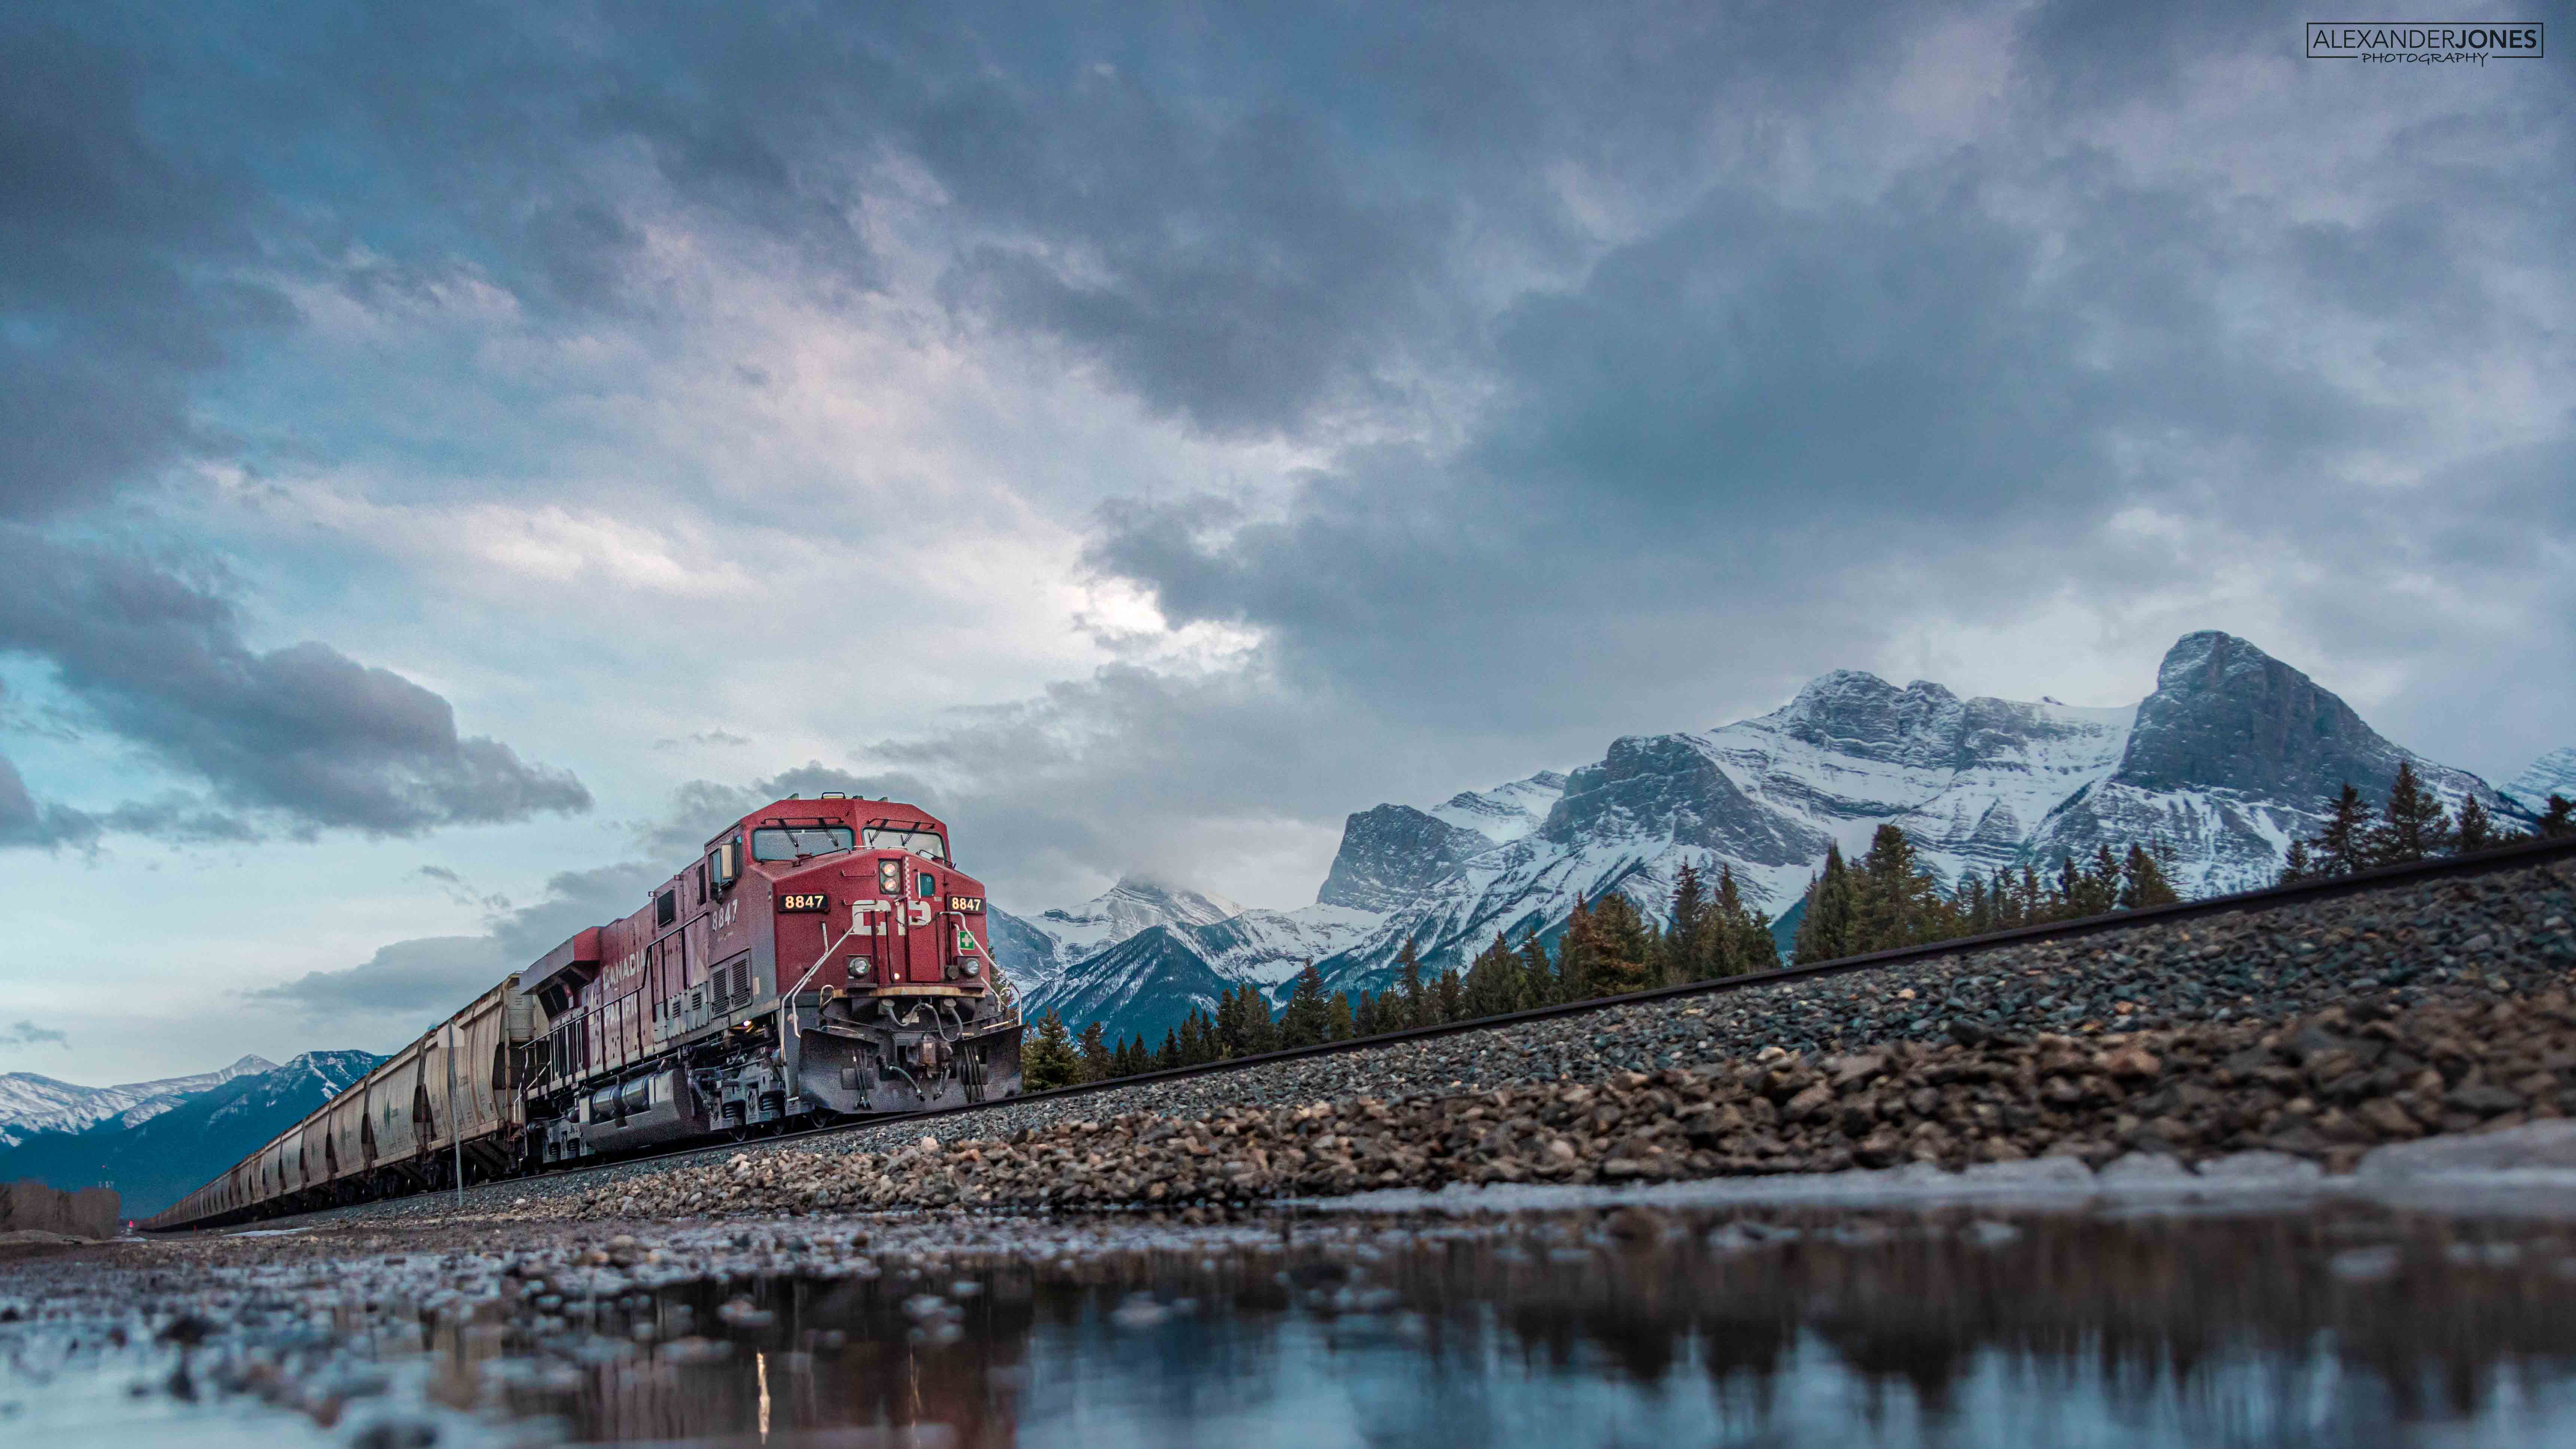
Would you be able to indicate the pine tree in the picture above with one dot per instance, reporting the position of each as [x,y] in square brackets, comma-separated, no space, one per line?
[1410,1009]
[2412,824]
[1574,953]
[2343,845]
[1687,953]
[1620,948]
[1976,907]
[2558,821]
[1825,932]
[1741,939]
[2143,882]
[1493,984]
[1449,995]
[1368,1019]
[2476,830]
[1170,1056]
[2294,864]
[1896,903]
[1048,1060]
[1243,1025]
[1341,1022]
[1540,985]
[1095,1053]
[1198,1038]
[1305,1021]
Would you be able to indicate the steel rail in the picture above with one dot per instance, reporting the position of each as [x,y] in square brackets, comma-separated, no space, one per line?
[2502,858]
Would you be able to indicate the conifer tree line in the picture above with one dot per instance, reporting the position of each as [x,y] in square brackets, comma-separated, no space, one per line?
[1607,947]
[1885,900]
[2410,825]
[1889,899]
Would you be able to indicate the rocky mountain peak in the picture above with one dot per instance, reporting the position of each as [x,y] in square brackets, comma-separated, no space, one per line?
[1391,854]
[2226,715]
[1857,715]
[1863,715]
[1669,787]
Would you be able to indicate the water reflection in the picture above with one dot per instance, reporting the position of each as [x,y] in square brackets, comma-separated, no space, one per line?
[1625,1328]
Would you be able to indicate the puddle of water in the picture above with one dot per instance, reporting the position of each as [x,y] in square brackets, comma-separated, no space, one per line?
[1643,1328]
[1613,1327]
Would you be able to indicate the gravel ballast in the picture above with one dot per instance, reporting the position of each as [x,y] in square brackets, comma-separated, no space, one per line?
[2031,1048]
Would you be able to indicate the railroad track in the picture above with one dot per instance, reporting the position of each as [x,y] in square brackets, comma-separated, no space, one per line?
[2515,857]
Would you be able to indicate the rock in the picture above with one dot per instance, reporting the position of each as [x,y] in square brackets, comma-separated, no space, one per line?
[1842,1071]
[2132,1064]
[1808,1103]
[2483,1099]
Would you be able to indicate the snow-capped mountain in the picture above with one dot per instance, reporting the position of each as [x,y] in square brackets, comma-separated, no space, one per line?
[2231,756]
[154,1161]
[1039,948]
[1143,952]
[2552,774]
[30,1103]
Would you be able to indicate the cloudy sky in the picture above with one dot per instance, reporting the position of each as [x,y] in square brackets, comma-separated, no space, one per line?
[448,454]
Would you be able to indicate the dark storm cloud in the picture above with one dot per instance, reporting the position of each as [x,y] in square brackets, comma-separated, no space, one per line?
[120,293]
[45,825]
[1681,356]
[430,976]
[113,300]
[702,807]
[412,980]
[1762,432]
[26,1033]
[302,735]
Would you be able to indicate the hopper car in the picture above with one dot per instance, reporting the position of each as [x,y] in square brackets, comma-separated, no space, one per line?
[821,959]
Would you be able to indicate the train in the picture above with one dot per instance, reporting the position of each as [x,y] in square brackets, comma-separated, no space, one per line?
[822,959]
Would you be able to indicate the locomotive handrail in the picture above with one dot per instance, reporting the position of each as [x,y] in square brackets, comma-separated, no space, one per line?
[787,998]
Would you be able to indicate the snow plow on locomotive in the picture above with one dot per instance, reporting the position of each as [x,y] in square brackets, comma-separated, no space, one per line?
[821,959]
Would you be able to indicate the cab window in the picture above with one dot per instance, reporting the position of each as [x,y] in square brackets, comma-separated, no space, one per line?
[923,843]
[775,843]
[926,885]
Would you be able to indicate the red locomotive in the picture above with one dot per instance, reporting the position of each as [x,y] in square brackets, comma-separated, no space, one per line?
[822,959]
[825,957]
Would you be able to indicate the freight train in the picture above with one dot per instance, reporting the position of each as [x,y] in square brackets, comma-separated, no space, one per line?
[821,959]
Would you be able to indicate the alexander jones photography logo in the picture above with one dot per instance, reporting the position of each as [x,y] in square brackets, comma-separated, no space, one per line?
[2425,42]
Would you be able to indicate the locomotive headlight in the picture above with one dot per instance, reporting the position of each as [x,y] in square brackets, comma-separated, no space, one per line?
[974,968]
[861,967]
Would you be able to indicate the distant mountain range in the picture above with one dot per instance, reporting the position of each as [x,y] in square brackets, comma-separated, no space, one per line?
[2232,756]
[30,1104]
[162,1145]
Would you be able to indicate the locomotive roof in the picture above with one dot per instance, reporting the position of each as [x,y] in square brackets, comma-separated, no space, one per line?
[829,810]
